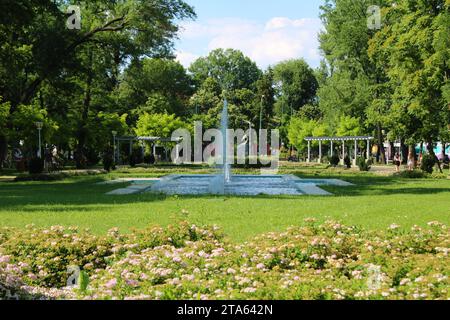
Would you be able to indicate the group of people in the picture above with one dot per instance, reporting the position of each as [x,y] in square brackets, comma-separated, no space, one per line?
[411,163]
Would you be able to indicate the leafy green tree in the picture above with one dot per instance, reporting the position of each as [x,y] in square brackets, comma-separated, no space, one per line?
[4,115]
[158,125]
[301,128]
[296,82]
[39,55]
[266,90]
[229,68]
[343,96]
[207,97]
[230,72]
[413,47]
[349,127]
[155,85]
[354,81]
[102,125]
[24,121]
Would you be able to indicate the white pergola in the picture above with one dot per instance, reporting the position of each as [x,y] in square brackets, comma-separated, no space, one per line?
[342,140]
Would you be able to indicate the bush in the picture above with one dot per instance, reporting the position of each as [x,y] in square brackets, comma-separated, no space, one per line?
[36,166]
[108,161]
[334,160]
[416,174]
[149,158]
[428,163]
[188,262]
[347,162]
[363,164]
[56,176]
[92,157]
[136,157]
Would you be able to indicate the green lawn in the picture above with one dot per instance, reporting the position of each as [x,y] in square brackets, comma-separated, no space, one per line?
[374,202]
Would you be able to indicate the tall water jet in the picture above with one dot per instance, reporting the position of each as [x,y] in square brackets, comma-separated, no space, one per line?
[218,183]
[226,167]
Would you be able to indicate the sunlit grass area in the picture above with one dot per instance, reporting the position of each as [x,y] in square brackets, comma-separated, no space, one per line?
[374,202]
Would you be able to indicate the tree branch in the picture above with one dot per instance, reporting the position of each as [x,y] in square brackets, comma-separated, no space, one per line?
[108,27]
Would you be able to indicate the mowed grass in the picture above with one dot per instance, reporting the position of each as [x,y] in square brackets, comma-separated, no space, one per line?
[374,202]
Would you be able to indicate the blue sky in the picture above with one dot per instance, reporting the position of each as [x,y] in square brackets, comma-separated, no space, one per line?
[268,31]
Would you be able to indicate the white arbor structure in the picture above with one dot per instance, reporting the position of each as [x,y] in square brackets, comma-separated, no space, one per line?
[339,140]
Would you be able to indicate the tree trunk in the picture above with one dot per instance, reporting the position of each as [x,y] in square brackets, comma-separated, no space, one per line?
[381,150]
[431,152]
[80,157]
[404,152]
[3,149]
[412,151]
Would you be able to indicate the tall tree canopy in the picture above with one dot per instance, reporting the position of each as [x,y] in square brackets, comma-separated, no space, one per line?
[296,82]
[72,74]
[414,49]
[230,68]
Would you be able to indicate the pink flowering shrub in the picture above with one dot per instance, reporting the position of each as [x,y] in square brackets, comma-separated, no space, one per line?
[184,261]
[44,256]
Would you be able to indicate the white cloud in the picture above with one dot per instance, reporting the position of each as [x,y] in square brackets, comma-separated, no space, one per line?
[267,43]
[186,58]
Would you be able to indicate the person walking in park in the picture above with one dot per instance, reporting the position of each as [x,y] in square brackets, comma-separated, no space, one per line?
[397,162]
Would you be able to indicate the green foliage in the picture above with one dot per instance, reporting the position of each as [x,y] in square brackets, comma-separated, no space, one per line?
[158,125]
[347,89]
[297,84]
[24,120]
[207,97]
[176,262]
[70,76]
[108,160]
[155,86]
[83,281]
[428,163]
[414,51]
[298,130]
[57,176]
[36,165]
[363,164]
[229,68]
[4,114]
[301,128]
[347,162]
[415,174]
[334,160]
[101,127]
[348,126]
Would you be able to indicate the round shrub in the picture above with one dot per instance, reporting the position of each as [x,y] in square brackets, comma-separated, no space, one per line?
[347,162]
[428,163]
[36,166]
[108,161]
[415,174]
[149,158]
[363,164]
[334,160]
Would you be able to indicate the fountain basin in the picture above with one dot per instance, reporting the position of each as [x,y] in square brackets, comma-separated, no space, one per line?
[242,185]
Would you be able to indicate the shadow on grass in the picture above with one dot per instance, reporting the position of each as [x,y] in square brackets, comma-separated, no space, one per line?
[84,194]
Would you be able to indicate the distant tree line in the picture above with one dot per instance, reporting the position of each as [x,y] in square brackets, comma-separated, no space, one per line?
[118,73]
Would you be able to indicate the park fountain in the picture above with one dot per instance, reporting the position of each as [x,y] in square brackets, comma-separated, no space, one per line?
[224,183]
[219,182]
